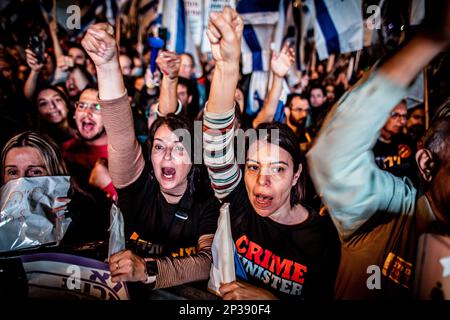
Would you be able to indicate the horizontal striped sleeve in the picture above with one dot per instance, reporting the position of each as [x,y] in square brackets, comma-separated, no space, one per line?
[180,270]
[218,152]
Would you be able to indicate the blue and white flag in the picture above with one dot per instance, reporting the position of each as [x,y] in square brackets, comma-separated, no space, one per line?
[338,26]
[293,25]
[257,92]
[178,27]
[194,13]
[260,18]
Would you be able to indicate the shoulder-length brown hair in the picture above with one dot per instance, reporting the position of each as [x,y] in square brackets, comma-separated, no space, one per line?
[54,163]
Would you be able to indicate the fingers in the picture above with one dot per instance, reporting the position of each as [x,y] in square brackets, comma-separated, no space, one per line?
[126,266]
[219,21]
[169,63]
[211,37]
[215,33]
[226,288]
[285,48]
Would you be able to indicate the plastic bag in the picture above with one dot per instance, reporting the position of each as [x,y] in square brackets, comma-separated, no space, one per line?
[116,231]
[25,204]
[222,269]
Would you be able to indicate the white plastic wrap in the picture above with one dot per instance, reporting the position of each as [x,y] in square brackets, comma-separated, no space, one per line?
[25,205]
[116,231]
[222,269]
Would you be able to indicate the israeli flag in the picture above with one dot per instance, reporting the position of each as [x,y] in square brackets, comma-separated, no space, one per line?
[260,18]
[338,26]
[179,32]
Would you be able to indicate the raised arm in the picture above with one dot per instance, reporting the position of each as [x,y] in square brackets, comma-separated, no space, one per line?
[169,64]
[279,65]
[341,162]
[31,82]
[125,158]
[224,33]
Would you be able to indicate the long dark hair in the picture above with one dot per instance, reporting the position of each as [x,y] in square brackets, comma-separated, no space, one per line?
[181,123]
[286,139]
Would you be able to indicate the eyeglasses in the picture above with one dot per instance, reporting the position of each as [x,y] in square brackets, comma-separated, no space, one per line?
[84,106]
[397,115]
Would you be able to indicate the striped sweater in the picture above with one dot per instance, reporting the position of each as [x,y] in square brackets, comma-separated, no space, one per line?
[218,152]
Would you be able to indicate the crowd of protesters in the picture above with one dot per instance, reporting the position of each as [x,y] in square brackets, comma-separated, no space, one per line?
[351,178]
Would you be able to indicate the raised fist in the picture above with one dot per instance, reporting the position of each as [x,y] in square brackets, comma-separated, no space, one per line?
[225,33]
[100,44]
[169,63]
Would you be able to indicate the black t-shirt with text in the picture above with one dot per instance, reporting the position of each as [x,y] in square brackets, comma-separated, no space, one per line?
[292,261]
[150,219]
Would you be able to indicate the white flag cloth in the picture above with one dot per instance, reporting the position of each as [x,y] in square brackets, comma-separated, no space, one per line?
[260,19]
[222,269]
[338,26]
[257,91]
[179,31]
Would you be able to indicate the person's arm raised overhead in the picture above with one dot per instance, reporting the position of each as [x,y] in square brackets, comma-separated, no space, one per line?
[224,33]
[169,64]
[30,84]
[341,161]
[280,65]
[125,158]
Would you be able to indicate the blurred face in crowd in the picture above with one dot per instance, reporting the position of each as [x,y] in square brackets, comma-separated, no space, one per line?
[186,67]
[88,117]
[78,55]
[417,118]
[239,98]
[331,95]
[269,178]
[297,112]
[170,159]
[5,69]
[125,64]
[51,106]
[183,96]
[317,98]
[72,85]
[397,120]
[23,162]
[49,67]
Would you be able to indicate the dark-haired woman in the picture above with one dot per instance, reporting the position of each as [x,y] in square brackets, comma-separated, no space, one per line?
[171,222]
[287,250]
[53,109]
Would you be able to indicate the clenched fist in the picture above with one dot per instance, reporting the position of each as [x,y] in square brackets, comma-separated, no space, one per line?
[225,33]
[100,44]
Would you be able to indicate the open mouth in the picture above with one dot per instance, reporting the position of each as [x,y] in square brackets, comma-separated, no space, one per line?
[54,115]
[168,173]
[263,200]
[87,125]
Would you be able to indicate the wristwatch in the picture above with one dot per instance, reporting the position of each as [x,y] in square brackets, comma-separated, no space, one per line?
[151,271]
